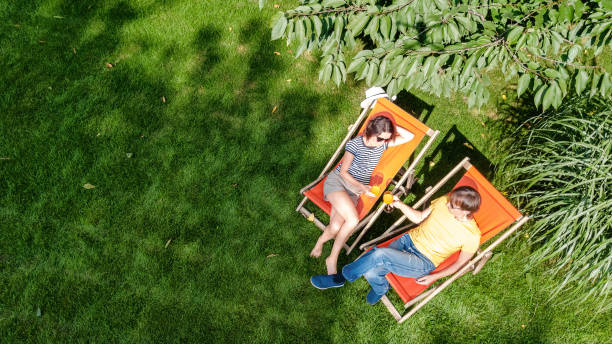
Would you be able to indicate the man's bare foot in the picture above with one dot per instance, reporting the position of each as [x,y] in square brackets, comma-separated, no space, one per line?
[316,251]
[331,266]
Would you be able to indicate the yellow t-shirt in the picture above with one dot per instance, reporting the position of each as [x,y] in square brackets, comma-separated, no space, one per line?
[441,234]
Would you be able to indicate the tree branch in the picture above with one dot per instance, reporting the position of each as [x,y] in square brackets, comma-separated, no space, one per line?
[525,68]
[562,62]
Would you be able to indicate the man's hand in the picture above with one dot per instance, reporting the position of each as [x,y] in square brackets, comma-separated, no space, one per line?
[426,280]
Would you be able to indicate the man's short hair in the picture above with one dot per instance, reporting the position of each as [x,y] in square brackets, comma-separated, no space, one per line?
[466,198]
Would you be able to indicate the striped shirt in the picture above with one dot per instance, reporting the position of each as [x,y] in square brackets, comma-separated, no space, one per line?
[365,160]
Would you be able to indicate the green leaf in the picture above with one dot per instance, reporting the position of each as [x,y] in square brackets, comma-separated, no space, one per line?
[436,34]
[332,3]
[454,31]
[578,9]
[523,83]
[549,96]
[429,66]
[594,84]
[337,76]
[372,28]
[339,27]
[301,48]
[326,72]
[537,99]
[382,72]
[392,88]
[514,34]
[318,26]
[415,65]
[441,4]
[364,72]
[551,73]
[457,63]
[372,73]
[558,95]
[563,73]
[349,39]
[574,51]
[308,26]
[556,41]
[581,81]
[402,69]
[300,31]
[279,28]
[606,84]
[466,23]
[385,27]
[566,13]
[361,20]
[356,64]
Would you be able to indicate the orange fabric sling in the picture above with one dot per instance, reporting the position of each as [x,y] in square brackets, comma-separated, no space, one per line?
[390,162]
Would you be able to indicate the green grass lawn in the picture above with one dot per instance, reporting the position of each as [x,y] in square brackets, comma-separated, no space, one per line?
[167,108]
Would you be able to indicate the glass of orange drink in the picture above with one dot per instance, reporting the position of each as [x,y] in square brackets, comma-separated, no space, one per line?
[375,189]
[388,197]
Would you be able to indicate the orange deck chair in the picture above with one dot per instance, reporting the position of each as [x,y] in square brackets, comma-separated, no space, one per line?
[496,213]
[388,171]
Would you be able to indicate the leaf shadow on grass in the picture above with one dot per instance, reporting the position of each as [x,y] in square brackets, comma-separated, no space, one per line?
[510,123]
[53,116]
[245,158]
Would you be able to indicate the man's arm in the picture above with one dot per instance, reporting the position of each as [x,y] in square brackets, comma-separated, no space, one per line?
[413,215]
[464,257]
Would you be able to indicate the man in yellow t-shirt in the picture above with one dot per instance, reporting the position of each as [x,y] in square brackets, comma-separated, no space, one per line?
[446,227]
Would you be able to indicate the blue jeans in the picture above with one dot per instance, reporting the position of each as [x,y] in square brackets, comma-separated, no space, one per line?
[401,258]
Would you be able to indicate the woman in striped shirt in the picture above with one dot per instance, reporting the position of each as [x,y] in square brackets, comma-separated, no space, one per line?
[351,178]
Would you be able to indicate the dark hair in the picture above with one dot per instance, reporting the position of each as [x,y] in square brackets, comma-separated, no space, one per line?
[466,198]
[380,124]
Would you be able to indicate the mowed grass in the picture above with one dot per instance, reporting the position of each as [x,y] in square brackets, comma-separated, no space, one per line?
[197,138]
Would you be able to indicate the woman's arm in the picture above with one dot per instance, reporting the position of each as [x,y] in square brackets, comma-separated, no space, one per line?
[464,257]
[403,136]
[347,160]
[413,215]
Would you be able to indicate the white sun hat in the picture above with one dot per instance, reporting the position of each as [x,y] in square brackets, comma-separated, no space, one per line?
[373,93]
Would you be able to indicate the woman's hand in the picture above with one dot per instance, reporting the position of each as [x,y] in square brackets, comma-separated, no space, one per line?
[365,189]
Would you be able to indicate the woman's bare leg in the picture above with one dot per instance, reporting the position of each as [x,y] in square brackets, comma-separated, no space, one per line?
[346,208]
[335,222]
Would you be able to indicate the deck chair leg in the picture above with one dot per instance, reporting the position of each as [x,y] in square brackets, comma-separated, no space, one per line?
[308,215]
[391,308]
[419,297]
[301,204]
[482,262]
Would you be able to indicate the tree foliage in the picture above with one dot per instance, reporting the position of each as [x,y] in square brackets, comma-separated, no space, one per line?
[445,46]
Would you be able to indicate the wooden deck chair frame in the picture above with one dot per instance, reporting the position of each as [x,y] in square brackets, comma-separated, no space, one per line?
[402,181]
[474,265]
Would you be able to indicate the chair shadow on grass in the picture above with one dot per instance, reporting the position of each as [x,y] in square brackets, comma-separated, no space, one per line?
[415,106]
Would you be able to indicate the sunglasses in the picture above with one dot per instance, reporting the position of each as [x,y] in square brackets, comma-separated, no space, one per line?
[380,139]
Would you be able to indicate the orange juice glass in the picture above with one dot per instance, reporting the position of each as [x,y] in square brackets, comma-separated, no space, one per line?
[388,197]
[375,189]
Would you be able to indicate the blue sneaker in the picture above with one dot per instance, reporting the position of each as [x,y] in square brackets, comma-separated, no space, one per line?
[372,297]
[327,281]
